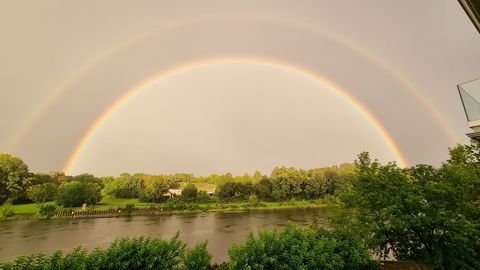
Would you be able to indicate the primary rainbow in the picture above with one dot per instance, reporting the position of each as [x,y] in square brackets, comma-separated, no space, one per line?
[141,86]
[25,128]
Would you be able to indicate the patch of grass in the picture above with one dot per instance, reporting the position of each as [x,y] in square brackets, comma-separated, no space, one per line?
[28,208]
[108,202]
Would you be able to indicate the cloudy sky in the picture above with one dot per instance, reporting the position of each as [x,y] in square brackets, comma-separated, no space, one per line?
[215,86]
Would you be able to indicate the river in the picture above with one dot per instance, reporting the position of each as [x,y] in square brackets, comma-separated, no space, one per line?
[24,237]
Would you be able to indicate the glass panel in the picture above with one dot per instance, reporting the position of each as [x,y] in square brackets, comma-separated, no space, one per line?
[470,95]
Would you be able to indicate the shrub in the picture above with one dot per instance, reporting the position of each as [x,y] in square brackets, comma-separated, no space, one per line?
[189,192]
[297,248]
[130,207]
[198,257]
[125,253]
[202,196]
[253,200]
[6,210]
[47,210]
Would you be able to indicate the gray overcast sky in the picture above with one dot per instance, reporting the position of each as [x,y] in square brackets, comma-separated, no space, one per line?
[63,63]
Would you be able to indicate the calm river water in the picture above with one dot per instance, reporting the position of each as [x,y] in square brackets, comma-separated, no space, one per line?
[23,237]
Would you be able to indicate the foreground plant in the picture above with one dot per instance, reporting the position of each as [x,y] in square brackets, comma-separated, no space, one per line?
[299,248]
[123,254]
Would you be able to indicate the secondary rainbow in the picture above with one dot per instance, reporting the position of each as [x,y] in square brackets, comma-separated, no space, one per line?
[25,128]
[138,88]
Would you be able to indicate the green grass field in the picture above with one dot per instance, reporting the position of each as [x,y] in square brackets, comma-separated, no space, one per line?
[25,209]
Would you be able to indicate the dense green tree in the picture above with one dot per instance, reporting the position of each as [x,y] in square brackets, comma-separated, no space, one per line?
[88,178]
[189,192]
[59,178]
[124,186]
[75,193]
[263,189]
[155,187]
[227,190]
[422,213]
[40,178]
[15,178]
[42,193]
[286,181]
[314,184]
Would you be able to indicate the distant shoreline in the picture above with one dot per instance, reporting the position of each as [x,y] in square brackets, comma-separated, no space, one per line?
[99,211]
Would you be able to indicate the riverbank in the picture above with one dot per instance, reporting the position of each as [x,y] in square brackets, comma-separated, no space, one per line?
[111,207]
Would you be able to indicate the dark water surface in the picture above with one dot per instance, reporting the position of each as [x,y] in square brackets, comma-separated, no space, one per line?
[24,237]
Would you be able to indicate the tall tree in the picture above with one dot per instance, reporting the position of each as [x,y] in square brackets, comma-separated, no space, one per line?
[421,213]
[14,178]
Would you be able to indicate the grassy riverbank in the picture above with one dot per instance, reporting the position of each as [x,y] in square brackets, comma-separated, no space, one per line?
[30,211]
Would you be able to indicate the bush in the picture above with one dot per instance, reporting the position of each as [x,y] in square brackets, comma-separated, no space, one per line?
[198,257]
[189,192]
[130,207]
[202,196]
[179,204]
[297,248]
[47,210]
[76,193]
[126,253]
[6,210]
[253,200]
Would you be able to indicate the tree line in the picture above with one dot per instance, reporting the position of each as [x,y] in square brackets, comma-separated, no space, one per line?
[19,185]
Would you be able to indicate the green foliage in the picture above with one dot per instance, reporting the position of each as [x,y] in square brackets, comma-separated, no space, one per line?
[155,187]
[6,210]
[297,248]
[14,178]
[253,200]
[88,178]
[287,181]
[123,254]
[197,258]
[179,204]
[203,197]
[231,189]
[41,178]
[227,190]
[42,193]
[263,188]
[124,186]
[189,192]
[422,213]
[47,210]
[75,193]
[129,207]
